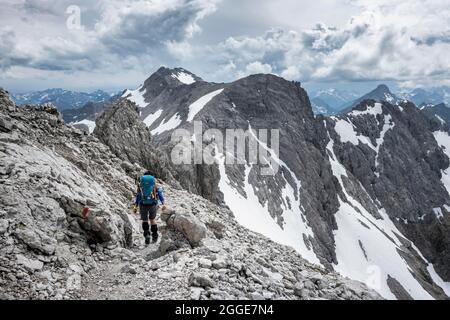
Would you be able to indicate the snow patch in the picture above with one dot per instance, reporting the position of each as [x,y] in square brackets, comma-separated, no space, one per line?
[172,123]
[89,123]
[151,118]
[438,212]
[440,119]
[375,110]
[438,280]
[184,77]
[136,96]
[199,104]
[346,132]
[443,140]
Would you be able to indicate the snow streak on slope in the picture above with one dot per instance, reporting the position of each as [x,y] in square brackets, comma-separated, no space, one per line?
[136,96]
[184,77]
[443,140]
[345,129]
[172,123]
[90,124]
[199,104]
[367,248]
[152,117]
[440,119]
[438,280]
[255,216]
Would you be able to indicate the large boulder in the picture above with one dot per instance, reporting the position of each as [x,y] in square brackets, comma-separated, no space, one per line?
[189,225]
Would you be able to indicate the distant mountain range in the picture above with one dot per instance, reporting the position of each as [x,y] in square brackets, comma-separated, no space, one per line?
[62,99]
[332,101]
[433,96]
[328,101]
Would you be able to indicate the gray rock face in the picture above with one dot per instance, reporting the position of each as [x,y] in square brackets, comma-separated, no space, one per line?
[438,114]
[405,178]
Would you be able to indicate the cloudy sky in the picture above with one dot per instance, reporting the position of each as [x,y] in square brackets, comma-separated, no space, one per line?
[116,44]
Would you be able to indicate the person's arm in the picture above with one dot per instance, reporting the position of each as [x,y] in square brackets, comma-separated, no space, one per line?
[160,195]
[138,199]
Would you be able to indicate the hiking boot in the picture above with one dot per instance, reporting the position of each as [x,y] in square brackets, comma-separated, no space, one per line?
[147,239]
[154,229]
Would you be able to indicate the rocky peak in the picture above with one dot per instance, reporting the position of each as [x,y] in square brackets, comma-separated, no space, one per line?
[382,88]
[5,100]
[121,128]
[258,96]
[379,94]
[165,78]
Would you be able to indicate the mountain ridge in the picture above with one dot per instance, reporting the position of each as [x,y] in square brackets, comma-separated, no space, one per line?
[53,248]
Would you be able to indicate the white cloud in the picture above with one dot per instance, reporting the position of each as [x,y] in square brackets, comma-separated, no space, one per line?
[34,33]
[400,40]
[407,41]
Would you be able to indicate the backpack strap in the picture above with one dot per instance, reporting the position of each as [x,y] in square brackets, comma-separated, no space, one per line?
[154,191]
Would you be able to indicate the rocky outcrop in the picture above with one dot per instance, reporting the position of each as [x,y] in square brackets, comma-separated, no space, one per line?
[120,128]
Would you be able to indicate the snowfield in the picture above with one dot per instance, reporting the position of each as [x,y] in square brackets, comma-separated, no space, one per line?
[136,96]
[184,77]
[366,247]
[346,132]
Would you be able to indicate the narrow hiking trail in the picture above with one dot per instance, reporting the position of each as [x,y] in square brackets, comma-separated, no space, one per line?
[139,272]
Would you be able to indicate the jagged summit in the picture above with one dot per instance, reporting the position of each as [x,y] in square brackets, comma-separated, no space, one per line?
[379,94]
[182,75]
[382,88]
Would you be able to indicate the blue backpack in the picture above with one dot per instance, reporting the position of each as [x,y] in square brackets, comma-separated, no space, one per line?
[148,190]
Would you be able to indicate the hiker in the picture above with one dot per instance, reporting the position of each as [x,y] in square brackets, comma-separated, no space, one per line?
[147,197]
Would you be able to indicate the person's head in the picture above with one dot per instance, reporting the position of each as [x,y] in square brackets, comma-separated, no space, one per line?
[148,173]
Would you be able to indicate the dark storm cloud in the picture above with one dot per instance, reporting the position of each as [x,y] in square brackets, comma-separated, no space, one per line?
[138,33]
